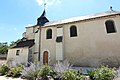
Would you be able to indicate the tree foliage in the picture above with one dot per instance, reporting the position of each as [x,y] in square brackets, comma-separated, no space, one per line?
[14,42]
[3,48]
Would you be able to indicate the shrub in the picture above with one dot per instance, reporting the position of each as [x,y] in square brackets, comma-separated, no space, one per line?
[4,69]
[103,73]
[15,71]
[31,72]
[72,74]
[80,76]
[60,67]
[46,71]
[118,73]
[69,74]
[91,74]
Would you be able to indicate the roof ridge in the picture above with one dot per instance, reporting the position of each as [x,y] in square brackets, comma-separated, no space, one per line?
[95,15]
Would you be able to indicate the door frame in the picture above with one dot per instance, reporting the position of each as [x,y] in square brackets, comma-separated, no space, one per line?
[45,57]
[41,57]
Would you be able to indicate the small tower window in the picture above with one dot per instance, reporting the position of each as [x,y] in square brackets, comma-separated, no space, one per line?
[73,31]
[49,34]
[17,52]
[110,26]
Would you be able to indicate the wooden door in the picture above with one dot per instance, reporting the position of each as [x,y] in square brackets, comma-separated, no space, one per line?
[45,57]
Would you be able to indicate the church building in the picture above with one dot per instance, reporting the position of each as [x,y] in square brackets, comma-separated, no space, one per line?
[88,41]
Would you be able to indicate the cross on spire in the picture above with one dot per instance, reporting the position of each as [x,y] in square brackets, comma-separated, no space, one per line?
[42,19]
[44,4]
[111,8]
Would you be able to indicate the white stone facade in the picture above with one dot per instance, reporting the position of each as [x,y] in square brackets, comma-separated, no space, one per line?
[92,46]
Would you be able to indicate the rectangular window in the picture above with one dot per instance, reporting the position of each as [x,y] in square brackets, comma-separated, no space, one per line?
[59,39]
[17,52]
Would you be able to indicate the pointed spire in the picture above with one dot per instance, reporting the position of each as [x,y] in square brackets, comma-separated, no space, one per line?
[42,19]
[43,14]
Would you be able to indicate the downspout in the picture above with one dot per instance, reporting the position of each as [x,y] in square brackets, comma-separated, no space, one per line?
[39,43]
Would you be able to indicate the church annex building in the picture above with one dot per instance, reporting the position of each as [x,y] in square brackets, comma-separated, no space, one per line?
[84,41]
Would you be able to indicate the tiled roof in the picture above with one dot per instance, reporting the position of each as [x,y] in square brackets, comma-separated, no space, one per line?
[97,15]
[26,43]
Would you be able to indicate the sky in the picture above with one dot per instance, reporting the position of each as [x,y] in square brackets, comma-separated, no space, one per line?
[15,15]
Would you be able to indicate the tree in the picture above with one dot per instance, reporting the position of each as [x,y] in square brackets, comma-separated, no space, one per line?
[14,42]
[3,48]
[3,43]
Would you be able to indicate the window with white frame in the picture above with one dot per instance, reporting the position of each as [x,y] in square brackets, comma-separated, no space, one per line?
[110,26]
[49,34]
[73,31]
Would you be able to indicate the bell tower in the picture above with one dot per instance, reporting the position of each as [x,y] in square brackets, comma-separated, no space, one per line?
[42,19]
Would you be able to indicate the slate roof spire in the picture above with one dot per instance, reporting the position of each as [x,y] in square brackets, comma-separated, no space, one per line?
[44,13]
[42,19]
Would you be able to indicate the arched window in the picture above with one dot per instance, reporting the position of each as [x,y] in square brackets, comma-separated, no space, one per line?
[110,26]
[49,34]
[73,31]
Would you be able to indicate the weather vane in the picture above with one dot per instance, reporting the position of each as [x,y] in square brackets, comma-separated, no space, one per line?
[44,4]
[111,8]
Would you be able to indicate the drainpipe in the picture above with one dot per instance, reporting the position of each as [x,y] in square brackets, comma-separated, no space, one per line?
[39,43]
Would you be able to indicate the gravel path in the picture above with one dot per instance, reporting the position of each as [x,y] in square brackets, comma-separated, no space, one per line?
[8,78]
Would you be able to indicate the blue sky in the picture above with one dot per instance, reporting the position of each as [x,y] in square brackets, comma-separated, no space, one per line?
[15,15]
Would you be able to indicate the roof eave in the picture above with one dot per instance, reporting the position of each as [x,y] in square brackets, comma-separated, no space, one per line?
[93,17]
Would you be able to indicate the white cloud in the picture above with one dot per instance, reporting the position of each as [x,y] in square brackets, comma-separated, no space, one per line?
[48,2]
[40,2]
